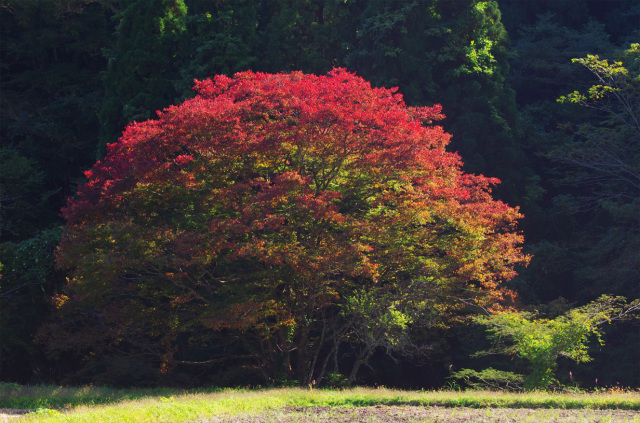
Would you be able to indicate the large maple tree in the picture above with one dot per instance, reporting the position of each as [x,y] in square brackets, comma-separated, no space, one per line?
[298,212]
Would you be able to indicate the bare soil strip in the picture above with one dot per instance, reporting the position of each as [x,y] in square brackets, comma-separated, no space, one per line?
[411,414]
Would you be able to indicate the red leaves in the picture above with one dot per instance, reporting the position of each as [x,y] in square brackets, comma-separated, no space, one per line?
[265,189]
[183,159]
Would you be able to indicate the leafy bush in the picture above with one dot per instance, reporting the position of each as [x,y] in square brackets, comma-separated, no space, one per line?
[541,342]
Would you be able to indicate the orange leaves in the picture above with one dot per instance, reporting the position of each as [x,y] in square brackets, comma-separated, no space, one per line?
[59,300]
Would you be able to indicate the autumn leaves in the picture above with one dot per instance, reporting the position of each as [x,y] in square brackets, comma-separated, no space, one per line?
[274,201]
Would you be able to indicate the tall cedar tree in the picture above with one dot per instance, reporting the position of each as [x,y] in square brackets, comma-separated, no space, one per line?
[280,206]
[143,67]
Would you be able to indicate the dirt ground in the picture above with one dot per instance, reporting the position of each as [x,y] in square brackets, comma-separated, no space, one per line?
[410,414]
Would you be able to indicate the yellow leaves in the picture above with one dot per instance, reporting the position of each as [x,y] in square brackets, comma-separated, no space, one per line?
[59,300]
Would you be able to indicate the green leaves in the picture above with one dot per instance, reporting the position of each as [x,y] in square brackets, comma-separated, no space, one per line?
[541,341]
[27,279]
[613,77]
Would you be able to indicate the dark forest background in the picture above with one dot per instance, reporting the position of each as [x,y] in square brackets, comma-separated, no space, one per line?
[74,73]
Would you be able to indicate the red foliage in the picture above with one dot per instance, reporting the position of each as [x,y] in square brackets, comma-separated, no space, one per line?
[266,199]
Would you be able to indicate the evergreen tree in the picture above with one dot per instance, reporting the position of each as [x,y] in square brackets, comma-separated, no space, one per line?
[453,53]
[306,35]
[221,38]
[51,91]
[144,67]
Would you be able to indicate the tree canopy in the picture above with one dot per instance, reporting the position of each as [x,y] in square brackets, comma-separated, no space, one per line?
[292,208]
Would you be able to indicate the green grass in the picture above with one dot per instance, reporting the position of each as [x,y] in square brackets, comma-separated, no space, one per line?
[42,396]
[94,404]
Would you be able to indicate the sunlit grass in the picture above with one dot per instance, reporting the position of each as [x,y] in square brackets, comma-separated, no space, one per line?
[43,396]
[91,404]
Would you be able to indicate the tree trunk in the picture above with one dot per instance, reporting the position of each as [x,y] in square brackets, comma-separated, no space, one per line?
[363,358]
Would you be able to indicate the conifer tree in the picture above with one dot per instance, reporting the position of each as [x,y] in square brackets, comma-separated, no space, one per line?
[143,68]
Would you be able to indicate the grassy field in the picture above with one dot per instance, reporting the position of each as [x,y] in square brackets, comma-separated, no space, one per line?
[96,405]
